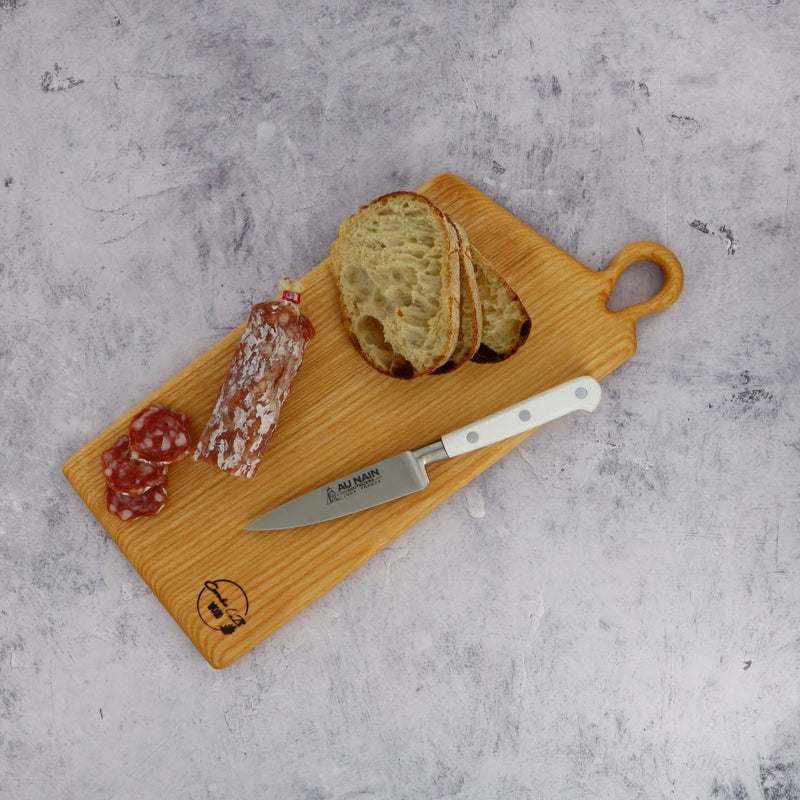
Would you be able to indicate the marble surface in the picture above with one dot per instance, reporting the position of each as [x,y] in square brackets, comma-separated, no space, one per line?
[613,610]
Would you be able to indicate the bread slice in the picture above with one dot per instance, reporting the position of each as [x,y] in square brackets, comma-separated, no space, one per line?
[506,323]
[470,316]
[396,265]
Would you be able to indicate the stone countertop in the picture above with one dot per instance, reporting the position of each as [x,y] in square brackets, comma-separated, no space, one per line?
[613,609]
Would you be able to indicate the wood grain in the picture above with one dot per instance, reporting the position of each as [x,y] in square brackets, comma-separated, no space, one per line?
[341,415]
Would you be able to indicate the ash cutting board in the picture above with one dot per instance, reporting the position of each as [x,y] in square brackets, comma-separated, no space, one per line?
[229,589]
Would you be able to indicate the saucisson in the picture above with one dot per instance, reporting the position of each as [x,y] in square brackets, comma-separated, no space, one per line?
[127,475]
[160,435]
[250,399]
[135,467]
[128,507]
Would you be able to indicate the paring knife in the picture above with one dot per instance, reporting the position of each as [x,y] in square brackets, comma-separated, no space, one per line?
[406,472]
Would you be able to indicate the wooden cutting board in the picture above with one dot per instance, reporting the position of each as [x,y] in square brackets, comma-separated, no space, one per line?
[229,589]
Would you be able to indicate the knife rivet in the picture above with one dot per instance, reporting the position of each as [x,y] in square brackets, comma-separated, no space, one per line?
[581,393]
[524,415]
[472,437]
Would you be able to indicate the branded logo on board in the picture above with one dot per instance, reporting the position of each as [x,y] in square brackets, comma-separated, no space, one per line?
[223,605]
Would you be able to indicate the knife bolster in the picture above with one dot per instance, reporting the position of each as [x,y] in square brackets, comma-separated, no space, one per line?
[430,453]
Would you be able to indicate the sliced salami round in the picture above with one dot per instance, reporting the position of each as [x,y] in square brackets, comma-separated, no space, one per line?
[127,475]
[128,507]
[160,435]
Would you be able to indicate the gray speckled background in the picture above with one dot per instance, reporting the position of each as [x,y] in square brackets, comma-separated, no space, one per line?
[613,610]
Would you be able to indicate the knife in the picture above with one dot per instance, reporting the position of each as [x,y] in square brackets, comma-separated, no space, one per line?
[406,472]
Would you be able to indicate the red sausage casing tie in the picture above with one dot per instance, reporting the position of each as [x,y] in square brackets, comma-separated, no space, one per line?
[249,402]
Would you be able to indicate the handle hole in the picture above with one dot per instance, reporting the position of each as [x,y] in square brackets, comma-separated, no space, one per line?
[639,282]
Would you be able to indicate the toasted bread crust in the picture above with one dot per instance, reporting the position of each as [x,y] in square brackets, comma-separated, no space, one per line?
[396,265]
[506,322]
[471,318]
[416,297]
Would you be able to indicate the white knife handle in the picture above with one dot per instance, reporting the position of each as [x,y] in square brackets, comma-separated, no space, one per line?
[581,394]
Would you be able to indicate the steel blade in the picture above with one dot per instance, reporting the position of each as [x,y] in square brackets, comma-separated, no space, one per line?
[379,483]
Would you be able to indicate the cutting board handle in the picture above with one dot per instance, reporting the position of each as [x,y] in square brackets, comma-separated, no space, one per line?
[636,253]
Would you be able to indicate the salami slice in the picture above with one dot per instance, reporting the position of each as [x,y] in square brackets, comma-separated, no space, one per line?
[128,507]
[127,475]
[250,399]
[160,435]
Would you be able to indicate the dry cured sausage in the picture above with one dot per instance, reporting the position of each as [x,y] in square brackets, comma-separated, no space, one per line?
[126,475]
[135,467]
[249,402]
[128,507]
[160,435]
